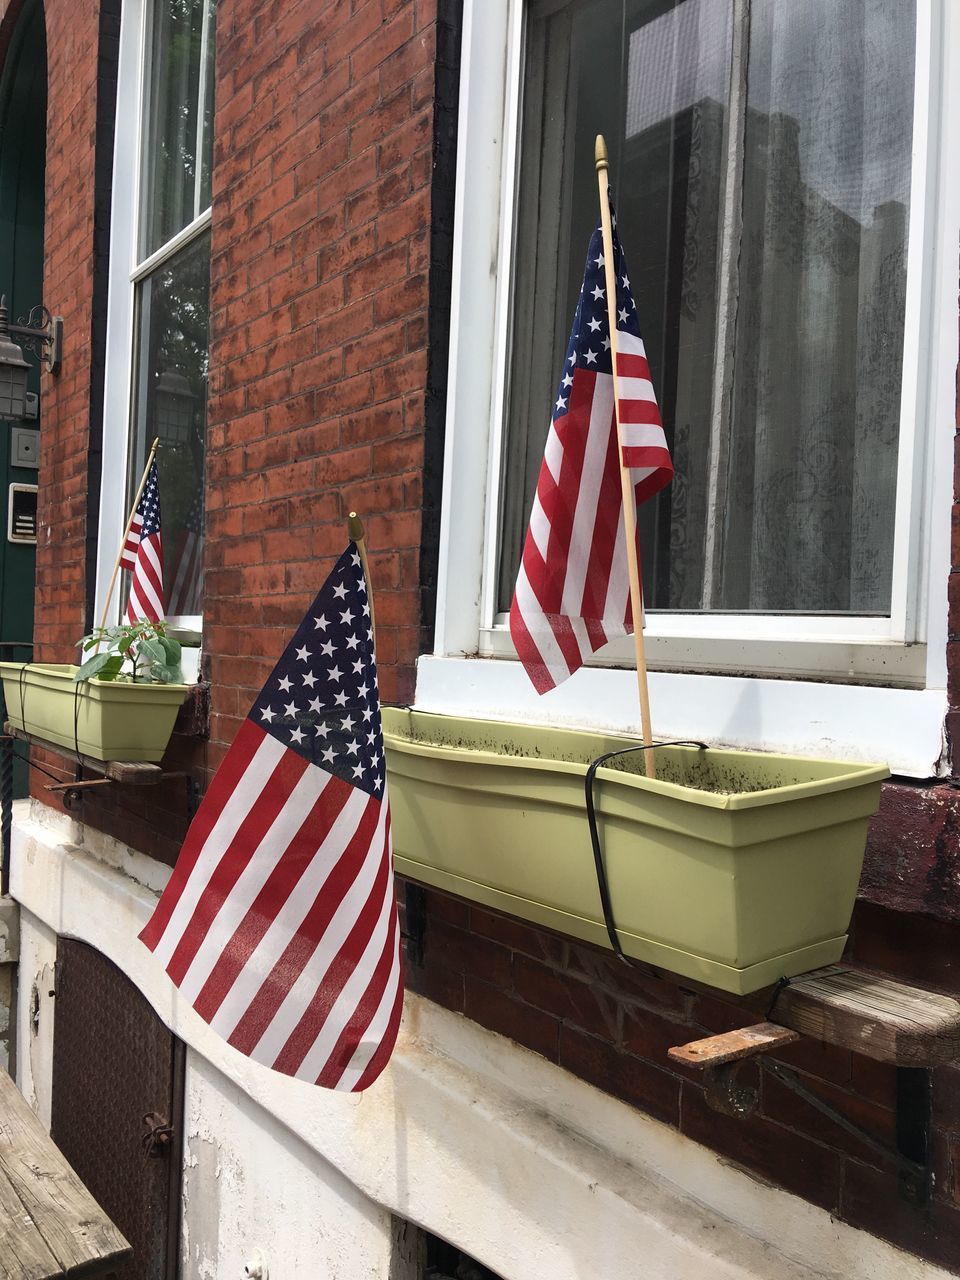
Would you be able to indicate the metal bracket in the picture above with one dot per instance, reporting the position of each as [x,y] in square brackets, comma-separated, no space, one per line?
[726,1094]
[911,1155]
[42,334]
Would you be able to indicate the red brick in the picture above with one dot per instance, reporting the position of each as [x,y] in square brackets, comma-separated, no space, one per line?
[500,1012]
[639,1083]
[777,1154]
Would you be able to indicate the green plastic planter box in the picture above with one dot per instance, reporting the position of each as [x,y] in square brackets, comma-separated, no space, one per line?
[732,868]
[115,720]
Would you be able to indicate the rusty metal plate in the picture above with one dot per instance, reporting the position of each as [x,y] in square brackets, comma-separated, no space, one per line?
[118,1104]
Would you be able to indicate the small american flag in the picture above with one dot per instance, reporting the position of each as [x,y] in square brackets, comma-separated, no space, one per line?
[143,554]
[573,590]
[279,923]
[184,595]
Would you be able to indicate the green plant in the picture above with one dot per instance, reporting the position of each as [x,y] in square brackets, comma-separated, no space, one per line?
[152,654]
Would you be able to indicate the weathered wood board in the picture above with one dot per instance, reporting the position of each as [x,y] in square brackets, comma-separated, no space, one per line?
[872,1015]
[50,1225]
[732,1046]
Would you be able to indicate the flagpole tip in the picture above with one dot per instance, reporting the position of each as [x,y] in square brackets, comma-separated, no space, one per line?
[354,527]
[600,153]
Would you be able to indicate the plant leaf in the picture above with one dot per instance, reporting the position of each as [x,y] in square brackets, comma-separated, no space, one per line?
[172,649]
[152,651]
[93,666]
[111,668]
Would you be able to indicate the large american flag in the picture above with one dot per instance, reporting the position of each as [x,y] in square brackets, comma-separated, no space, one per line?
[143,554]
[184,594]
[573,590]
[279,923]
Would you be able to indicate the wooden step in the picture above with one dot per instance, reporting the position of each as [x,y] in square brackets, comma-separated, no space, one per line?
[872,1015]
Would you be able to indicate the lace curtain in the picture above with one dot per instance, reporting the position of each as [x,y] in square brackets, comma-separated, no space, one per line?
[763,193]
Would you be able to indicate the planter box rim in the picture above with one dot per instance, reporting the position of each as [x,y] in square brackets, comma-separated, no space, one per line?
[848,773]
[63,672]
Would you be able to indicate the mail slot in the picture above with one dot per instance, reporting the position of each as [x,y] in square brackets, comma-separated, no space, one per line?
[22,513]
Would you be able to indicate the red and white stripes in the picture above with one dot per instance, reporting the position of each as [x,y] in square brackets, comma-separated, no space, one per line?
[279,923]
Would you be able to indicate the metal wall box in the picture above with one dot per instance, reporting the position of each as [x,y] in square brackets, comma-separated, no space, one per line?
[22,513]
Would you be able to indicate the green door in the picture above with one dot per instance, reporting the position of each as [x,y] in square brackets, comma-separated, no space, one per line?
[23,113]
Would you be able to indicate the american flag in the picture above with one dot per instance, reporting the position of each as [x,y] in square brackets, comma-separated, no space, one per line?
[184,595]
[573,590]
[279,923]
[143,554]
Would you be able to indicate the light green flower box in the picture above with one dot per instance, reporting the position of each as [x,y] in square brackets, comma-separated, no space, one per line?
[106,720]
[732,868]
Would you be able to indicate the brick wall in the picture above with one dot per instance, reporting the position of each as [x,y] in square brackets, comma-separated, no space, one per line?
[612,1025]
[319,302]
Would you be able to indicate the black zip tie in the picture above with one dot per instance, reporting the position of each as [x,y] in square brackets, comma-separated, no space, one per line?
[602,883]
[781,984]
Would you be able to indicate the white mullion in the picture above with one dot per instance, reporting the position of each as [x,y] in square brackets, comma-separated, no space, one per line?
[501,344]
[172,247]
[907,586]
[201,100]
[124,250]
[475,266]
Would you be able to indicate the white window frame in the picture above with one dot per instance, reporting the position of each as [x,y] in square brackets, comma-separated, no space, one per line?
[126,273]
[844,686]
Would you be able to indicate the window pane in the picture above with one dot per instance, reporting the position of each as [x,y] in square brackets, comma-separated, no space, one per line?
[179,107]
[653,78]
[783,422]
[816,399]
[171,397]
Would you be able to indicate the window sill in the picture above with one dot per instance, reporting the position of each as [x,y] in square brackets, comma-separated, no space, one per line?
[902,727]
[846,659]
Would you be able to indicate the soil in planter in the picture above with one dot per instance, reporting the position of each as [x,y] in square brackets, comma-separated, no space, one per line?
[682,766]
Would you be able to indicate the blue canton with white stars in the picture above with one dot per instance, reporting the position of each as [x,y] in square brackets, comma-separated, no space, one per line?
[589,345]
[321,699]
[149,505]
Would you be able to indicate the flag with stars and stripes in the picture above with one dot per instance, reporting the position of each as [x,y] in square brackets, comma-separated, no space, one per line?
[279,923]
[184,596]
[573,590]
[143,555]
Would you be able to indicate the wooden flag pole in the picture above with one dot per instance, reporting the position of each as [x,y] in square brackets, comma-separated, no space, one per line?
[123,540]
[355,530]
[626,485]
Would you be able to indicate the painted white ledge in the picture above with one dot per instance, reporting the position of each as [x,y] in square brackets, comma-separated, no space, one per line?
[527,1168]
[902,728]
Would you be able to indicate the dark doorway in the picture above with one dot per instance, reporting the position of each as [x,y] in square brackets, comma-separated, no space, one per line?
[23,119]
[114,1062]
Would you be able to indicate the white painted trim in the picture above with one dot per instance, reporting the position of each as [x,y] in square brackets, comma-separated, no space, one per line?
[476,266]
[120,300]
[861,650]
[126,271]
[522,1165]
[899,727]
[173,246]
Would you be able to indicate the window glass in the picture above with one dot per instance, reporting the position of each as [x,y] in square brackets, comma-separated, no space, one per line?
[763,201]
[171,397]
[179,114]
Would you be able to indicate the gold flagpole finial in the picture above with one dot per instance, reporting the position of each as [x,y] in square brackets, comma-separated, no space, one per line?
[354,527]
[600,153]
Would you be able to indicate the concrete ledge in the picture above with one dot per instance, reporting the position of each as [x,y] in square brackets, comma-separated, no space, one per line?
[520,1164]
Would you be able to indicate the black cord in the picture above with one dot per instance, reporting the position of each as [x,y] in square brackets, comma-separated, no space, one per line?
[602,883]
[782,983]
